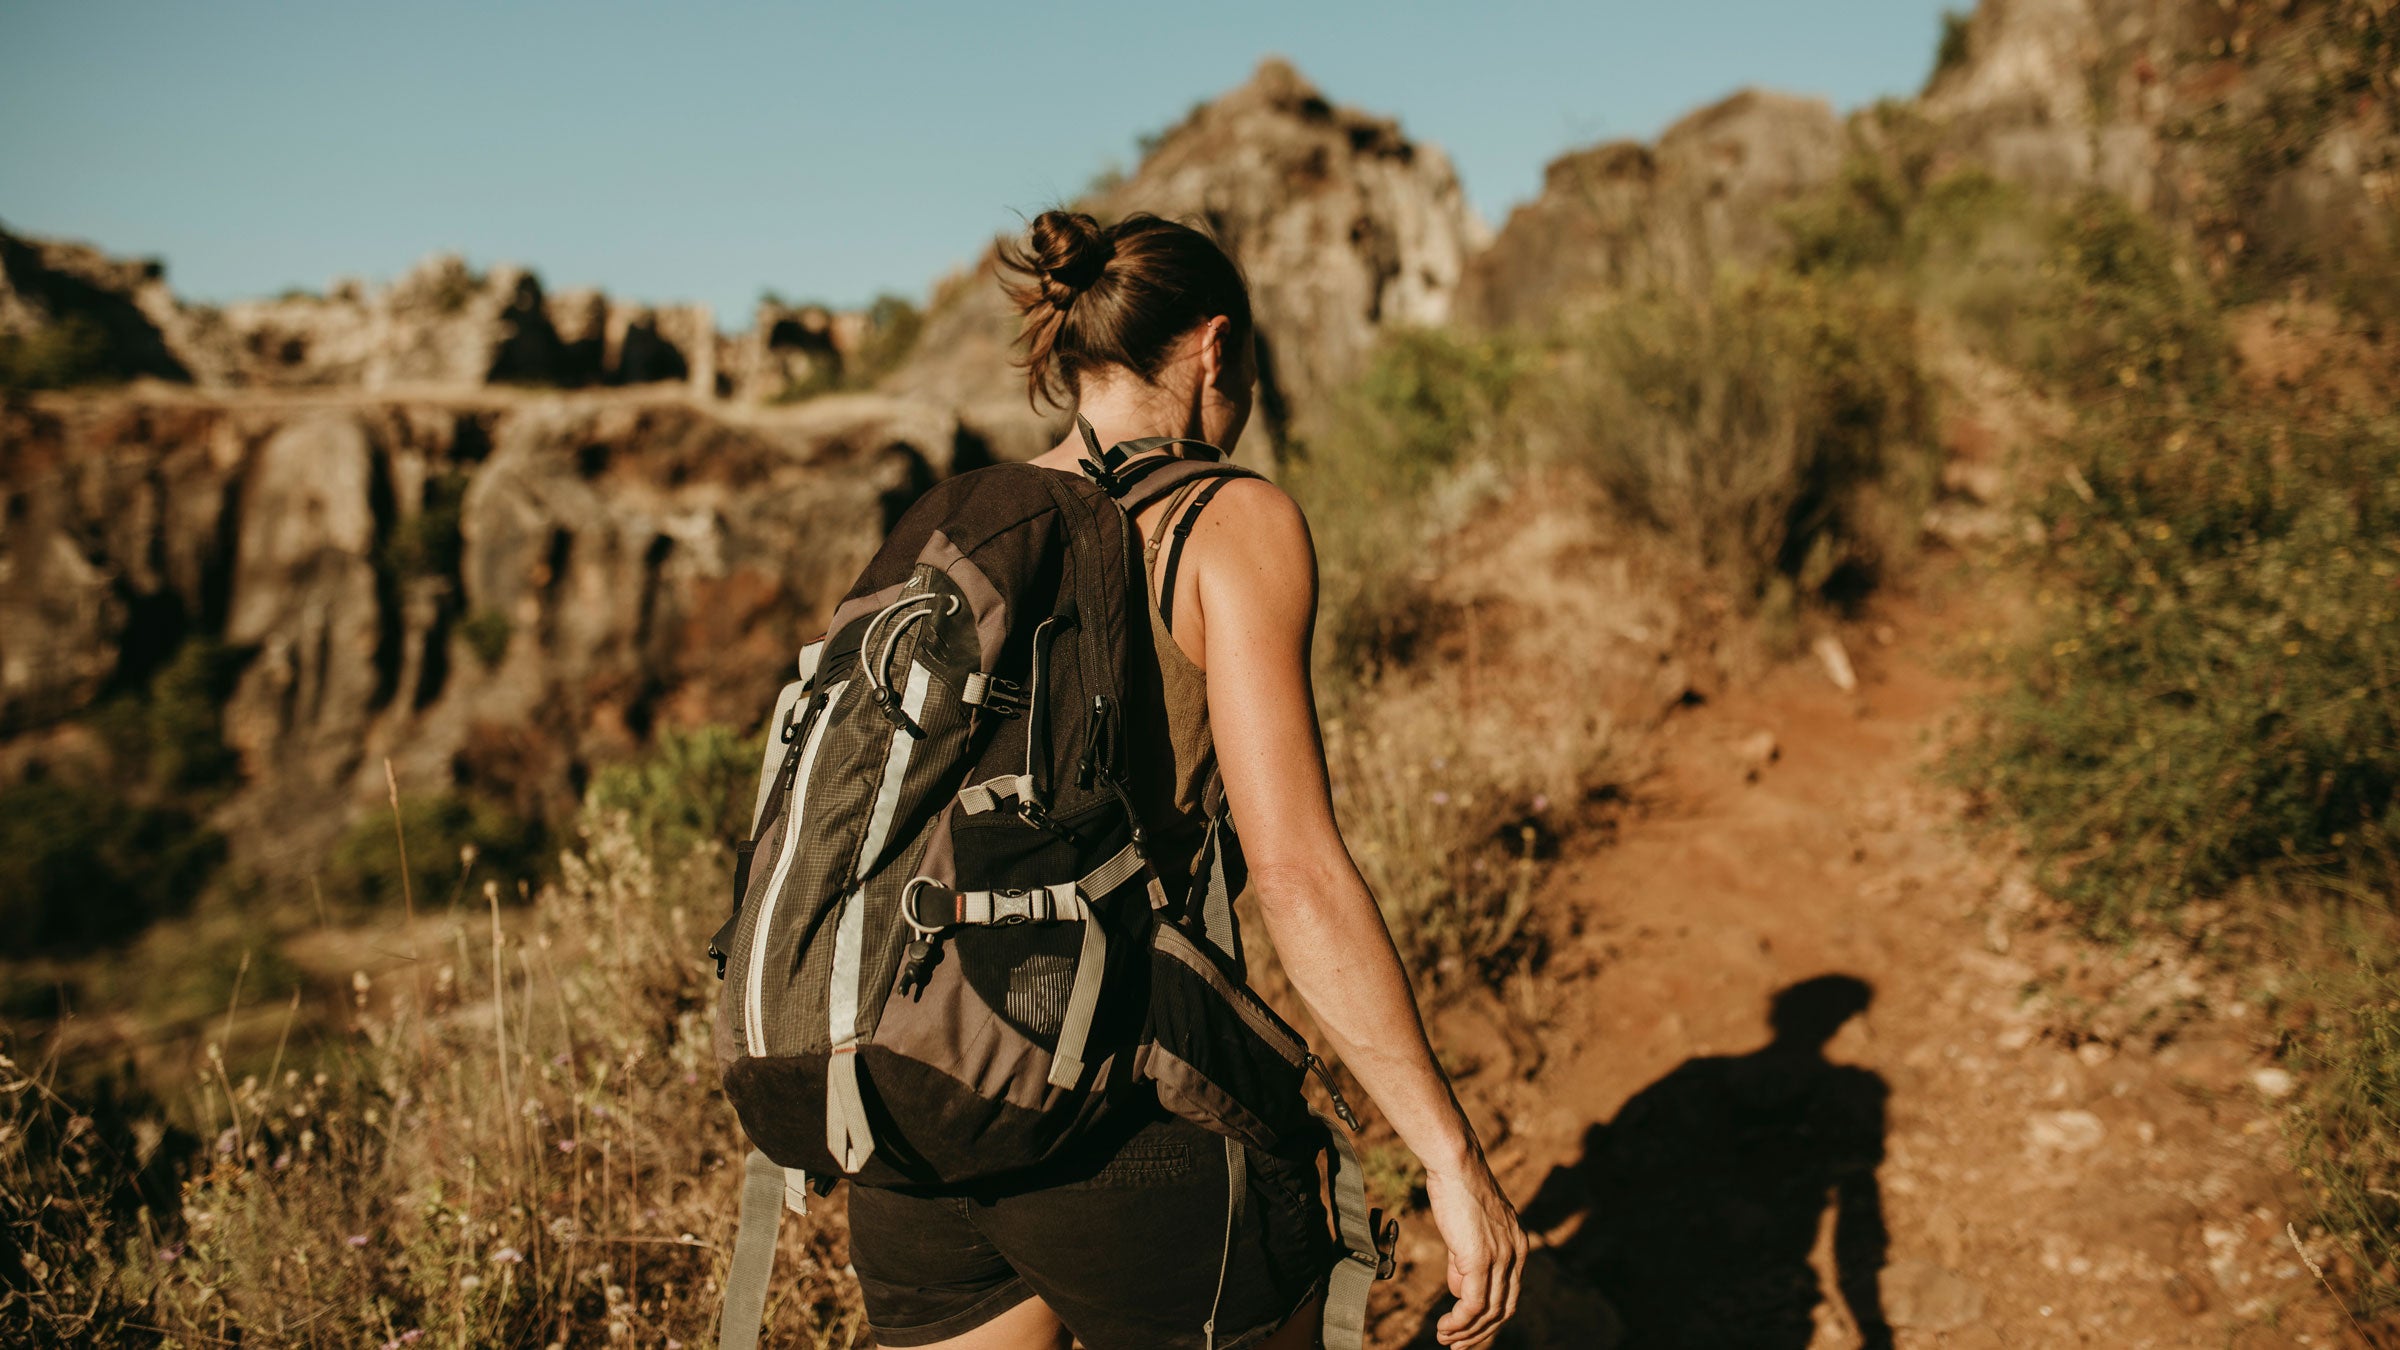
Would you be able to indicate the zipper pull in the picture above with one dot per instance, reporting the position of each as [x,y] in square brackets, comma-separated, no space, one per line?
[916,965]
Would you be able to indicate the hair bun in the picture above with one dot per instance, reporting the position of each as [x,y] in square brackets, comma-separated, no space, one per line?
[1071,251]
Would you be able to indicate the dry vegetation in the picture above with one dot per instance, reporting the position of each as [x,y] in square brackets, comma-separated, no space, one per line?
[517,1140]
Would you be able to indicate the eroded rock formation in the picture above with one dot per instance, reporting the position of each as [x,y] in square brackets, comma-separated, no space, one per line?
[1342,224]
[495,593]
[1627,217]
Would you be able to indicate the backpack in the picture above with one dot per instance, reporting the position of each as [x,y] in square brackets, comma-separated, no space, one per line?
[950,956]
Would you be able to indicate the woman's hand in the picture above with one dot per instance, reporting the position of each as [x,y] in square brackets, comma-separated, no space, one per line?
[1487,1250]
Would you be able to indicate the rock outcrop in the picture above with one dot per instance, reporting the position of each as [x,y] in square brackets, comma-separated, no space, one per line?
[116,314]
[1342,224]
[1627,217]
[2256,126]
[494,593]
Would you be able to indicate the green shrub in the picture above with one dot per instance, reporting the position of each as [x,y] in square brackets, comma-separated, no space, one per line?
[2214,693]
[83,868]
[452,838]
[486,633]
[891,334]
[1429,403]
[428,543]
[169,734]
[1955,45]
[70,352]
[691,790]
[2347,1051]
[1764,429]
[2091,296]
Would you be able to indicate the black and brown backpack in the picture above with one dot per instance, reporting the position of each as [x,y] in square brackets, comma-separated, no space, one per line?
[950,956]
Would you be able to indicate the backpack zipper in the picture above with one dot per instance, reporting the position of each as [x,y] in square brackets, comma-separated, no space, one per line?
[754,1035]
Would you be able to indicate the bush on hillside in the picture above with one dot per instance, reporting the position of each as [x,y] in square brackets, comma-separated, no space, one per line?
[71,352]
[2215,692]
[691,790]
[2347,1049]
[1776,431]
[452,838]
[536,1154]
[83,868]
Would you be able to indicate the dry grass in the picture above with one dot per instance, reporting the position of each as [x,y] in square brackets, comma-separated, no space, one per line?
[521,1144]
[1458,773]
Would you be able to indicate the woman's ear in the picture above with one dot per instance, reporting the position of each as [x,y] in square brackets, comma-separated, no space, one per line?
[1216,356]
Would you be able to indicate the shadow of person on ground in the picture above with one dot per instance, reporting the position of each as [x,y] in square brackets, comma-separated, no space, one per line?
[1689,1219]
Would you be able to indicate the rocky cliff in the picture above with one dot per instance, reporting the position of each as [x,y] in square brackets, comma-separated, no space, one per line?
[1342,224]
[2269,131]
[2267,128]
[493,592]
[1626,217]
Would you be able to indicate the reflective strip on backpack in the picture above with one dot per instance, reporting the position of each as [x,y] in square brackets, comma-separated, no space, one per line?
[754,1031]
[847,1134]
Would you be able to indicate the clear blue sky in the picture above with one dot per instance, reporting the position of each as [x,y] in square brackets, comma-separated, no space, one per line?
[706,151]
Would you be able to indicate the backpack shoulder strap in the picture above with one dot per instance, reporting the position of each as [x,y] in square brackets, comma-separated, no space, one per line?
[1182,534]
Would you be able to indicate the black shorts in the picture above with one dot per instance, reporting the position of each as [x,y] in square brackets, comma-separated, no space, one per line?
[1128,1246]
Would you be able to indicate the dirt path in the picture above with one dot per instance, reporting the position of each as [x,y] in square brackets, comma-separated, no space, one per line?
[2005,1135]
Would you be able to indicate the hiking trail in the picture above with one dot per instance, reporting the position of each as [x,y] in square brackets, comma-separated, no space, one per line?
[2005,1134]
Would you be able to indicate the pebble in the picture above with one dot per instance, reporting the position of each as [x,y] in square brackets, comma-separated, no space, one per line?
[2273,1084]
[1924,1296]
[2065,1131]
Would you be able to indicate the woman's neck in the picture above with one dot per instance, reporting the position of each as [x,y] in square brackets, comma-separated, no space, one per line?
[1118,416]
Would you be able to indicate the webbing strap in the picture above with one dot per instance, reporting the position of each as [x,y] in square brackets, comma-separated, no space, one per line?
[1361,1260]
[1218,881]
[979,798]
[753,1253]
[1038,904]
[1109,875]
[848,1137]
[1083,1000]
[1183,533]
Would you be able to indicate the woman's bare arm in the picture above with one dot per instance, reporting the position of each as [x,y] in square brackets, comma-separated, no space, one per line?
[1251,601]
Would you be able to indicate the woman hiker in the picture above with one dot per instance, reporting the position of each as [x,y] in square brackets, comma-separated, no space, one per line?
[1144,328]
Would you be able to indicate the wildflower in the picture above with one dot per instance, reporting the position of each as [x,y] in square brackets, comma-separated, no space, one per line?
[1440,798]
[357,1239]
[508,1256]
[170,1254]
[1541,802]
[567,1145]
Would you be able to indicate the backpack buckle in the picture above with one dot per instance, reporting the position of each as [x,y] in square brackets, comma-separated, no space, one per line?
[1015,906]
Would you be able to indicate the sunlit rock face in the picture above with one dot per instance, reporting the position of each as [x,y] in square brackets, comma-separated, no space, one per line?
[1627,217]
[495,592]
[1343,226]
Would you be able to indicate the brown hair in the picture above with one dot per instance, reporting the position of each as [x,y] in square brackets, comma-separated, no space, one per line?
[1098,295]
